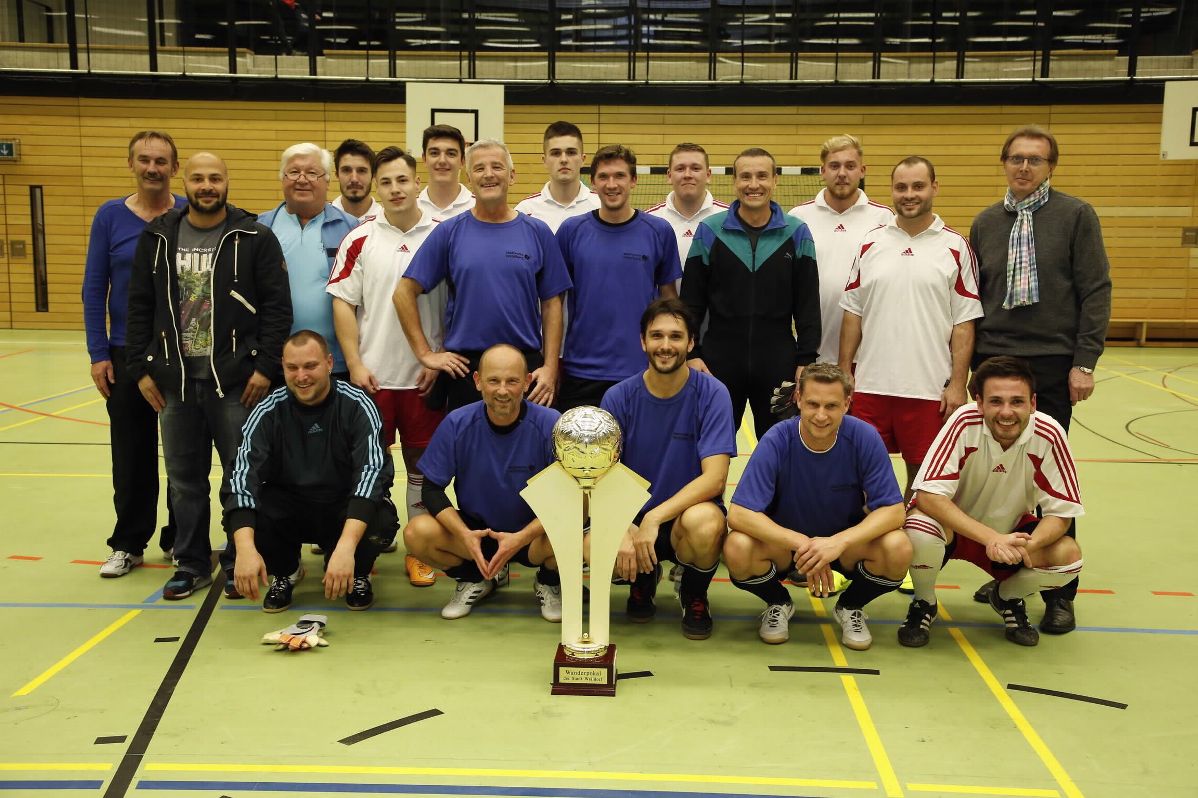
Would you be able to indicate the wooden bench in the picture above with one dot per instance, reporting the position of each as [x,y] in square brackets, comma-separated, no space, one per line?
[1142,326]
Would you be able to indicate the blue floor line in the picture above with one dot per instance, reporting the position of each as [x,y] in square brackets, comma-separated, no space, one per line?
[48,399]
[52,784]
[435,789]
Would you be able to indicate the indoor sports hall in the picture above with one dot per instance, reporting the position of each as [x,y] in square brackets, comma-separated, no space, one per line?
[107,689]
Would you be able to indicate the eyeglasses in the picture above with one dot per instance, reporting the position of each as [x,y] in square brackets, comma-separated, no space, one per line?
[295,174]
[1020,160]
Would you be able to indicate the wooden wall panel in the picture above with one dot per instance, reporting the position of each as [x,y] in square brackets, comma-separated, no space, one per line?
[75,148]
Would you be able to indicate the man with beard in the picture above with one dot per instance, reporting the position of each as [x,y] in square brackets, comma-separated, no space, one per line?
[505,277]
[619,260]
[838,217]
[209,309]
[133,425]
[909,311]
[678,435]
[489,450]
[354,161]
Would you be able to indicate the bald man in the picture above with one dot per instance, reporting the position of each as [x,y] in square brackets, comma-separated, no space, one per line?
[209,309]
[489,449]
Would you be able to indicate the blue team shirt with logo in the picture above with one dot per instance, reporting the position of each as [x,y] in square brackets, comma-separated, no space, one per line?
[665,440]
[489,469]
[818,493]
[498,275]
[616,269]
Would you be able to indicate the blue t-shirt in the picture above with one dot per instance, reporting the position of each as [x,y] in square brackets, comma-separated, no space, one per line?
[616,269]
[498,273]
[110,249]
[665,440]
[489,468]
[308,266]
[818,493]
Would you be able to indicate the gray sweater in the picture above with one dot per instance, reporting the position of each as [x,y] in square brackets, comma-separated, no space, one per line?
[1075,283]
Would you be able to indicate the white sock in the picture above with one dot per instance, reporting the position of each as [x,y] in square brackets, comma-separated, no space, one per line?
[926,561]
[415,505]
[1027,581]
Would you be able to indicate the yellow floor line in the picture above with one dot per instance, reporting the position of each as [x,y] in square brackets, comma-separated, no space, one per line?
[36,766]
[77,653]
[1025,728]
[960,789]
[886,772]
[38,418]
[1107,356]
[573,775]
[1157,386]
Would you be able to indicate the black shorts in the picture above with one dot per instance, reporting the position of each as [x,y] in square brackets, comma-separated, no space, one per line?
[579,391]
[450,393]
[490,545]
[664,547]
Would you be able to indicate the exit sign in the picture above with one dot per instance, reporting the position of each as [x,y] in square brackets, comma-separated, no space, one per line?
[10,149]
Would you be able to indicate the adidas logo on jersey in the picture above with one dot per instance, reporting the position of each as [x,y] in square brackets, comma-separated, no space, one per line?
[688,234]
[315,428]
[404,248]
[999,469]
[907,251]
[840,229]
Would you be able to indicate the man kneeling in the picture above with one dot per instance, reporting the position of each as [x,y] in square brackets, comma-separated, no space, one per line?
[991,466]
[818,494]
[310,469]
[489,449]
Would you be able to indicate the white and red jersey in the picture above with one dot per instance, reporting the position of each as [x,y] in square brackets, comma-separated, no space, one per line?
[684,226]
[369,263]
[463,202]
[375,208]
[837,240]
[910,292]
[998,487]
[544,207]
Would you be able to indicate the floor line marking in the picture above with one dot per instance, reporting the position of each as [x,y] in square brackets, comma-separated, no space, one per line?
[1142,367]
[95,640]
[47,398]
[962,789]
[383,728]
[132,760]
[36,766]
[890,781]
[51,784]
[40,416]
[568,775]
[14,354]
[1106,702]
[1005,701]
[1156,386]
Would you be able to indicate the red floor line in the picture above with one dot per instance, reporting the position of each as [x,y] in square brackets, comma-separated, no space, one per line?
[51,415]
[22,557]
[143,565]
[14,354]
[1185,593]
[1096,591]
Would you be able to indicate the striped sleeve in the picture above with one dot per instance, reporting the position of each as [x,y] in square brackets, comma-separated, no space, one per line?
[370,461]
[239,493]
[1053,471]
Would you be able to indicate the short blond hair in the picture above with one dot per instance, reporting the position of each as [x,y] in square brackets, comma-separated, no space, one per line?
[838,143]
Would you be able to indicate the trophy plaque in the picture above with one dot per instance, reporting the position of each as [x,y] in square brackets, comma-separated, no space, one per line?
[587,480]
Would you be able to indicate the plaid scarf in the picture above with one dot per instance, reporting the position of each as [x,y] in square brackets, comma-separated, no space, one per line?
[1023,284]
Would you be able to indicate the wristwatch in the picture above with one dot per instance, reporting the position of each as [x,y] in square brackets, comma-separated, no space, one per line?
[1084,370]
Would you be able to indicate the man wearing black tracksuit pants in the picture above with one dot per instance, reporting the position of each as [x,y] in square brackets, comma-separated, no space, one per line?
[751,275]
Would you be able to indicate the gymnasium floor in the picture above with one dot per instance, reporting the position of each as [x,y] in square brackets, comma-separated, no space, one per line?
[109,690]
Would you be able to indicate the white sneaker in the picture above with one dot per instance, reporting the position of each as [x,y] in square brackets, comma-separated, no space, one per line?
[465,596]
[119,563]
[550,597]
[504,577]
[775,623]
[855,634]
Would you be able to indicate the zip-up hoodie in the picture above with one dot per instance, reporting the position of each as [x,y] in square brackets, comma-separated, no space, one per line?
[251,304]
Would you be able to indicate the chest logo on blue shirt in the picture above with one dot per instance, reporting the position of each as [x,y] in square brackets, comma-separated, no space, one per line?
[635,256]
[516,469]
[518,255]
[683,436]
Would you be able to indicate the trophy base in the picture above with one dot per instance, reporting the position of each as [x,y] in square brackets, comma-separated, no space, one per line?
[591,676]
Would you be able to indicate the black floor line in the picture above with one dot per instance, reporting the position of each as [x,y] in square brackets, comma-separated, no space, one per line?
[131,761]
[1071,696]
[165,639]
[120,738]
[634,675]
[390,726]
[814,669]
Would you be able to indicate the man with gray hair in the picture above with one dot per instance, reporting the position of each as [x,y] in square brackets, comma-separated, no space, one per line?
[310,229]
[1038,242]
[506,278]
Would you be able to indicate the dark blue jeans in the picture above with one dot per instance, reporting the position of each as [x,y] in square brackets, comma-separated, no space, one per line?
[191,426]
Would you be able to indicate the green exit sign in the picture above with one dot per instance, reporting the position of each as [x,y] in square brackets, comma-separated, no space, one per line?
[10,149]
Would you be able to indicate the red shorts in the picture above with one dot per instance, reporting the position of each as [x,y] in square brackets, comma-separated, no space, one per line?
[403,410]
[969,550]
[907,426]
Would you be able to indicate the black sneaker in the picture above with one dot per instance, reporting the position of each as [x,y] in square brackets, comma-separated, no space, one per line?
[231,591]
[917,629]
[361,595]
[183,584]
[696,617]
[982,594]
[278,598]
[1058,617]
[1014,616]
[640,608]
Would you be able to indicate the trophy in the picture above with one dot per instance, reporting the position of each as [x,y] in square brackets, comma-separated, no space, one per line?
[587,480]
